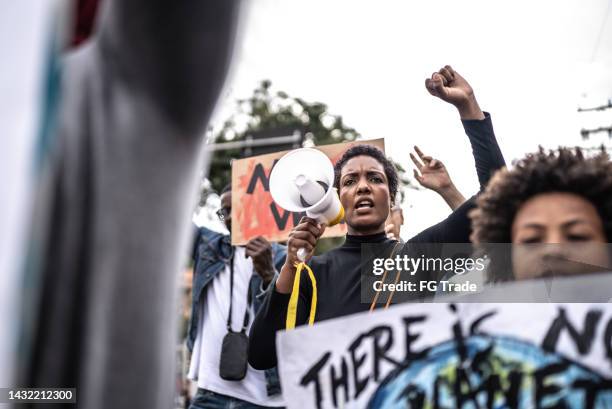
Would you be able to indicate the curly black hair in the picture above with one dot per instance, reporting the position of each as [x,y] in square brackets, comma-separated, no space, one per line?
[374,152]
[561,170]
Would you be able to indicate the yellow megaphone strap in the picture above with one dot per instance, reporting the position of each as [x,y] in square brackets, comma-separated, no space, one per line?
[338,218]
[295,295]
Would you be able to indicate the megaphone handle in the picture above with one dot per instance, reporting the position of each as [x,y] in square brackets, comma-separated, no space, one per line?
[302,254]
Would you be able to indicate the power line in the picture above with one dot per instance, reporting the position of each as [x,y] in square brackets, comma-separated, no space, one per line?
[599,108]
[587,132]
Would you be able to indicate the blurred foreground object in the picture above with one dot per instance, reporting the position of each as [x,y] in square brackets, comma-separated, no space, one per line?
[28,91]
[115,195]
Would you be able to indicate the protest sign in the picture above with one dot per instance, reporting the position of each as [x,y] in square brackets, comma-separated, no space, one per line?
[254,213]
[451,355]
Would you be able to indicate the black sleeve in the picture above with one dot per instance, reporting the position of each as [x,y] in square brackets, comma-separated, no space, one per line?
[456,228]
[487,155]
[270,318]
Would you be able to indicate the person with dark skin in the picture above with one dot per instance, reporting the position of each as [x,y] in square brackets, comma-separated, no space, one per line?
[258,248]
[364,175]
[431,174]
[367,185]
[555,208]
[221,269]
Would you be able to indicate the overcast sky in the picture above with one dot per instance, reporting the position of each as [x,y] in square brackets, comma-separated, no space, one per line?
[531,63]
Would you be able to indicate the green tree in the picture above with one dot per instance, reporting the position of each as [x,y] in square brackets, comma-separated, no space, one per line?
[269,109]
[266,109]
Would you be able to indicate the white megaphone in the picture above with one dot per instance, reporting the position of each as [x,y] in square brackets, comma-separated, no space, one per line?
[303,181]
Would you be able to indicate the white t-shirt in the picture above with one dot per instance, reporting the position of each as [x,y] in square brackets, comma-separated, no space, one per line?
[204,367]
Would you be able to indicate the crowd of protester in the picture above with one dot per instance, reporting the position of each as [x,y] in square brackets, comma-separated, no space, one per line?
[561,197]
[93,219]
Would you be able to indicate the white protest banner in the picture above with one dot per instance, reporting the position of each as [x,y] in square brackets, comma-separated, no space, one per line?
[472,355]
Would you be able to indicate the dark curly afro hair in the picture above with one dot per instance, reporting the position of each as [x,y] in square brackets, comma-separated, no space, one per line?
[561,170]
[372,151]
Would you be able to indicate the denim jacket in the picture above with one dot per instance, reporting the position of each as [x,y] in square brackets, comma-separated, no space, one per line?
[211,252]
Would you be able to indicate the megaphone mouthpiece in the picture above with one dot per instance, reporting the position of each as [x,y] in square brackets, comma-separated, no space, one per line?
[311,192]
[302,180]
